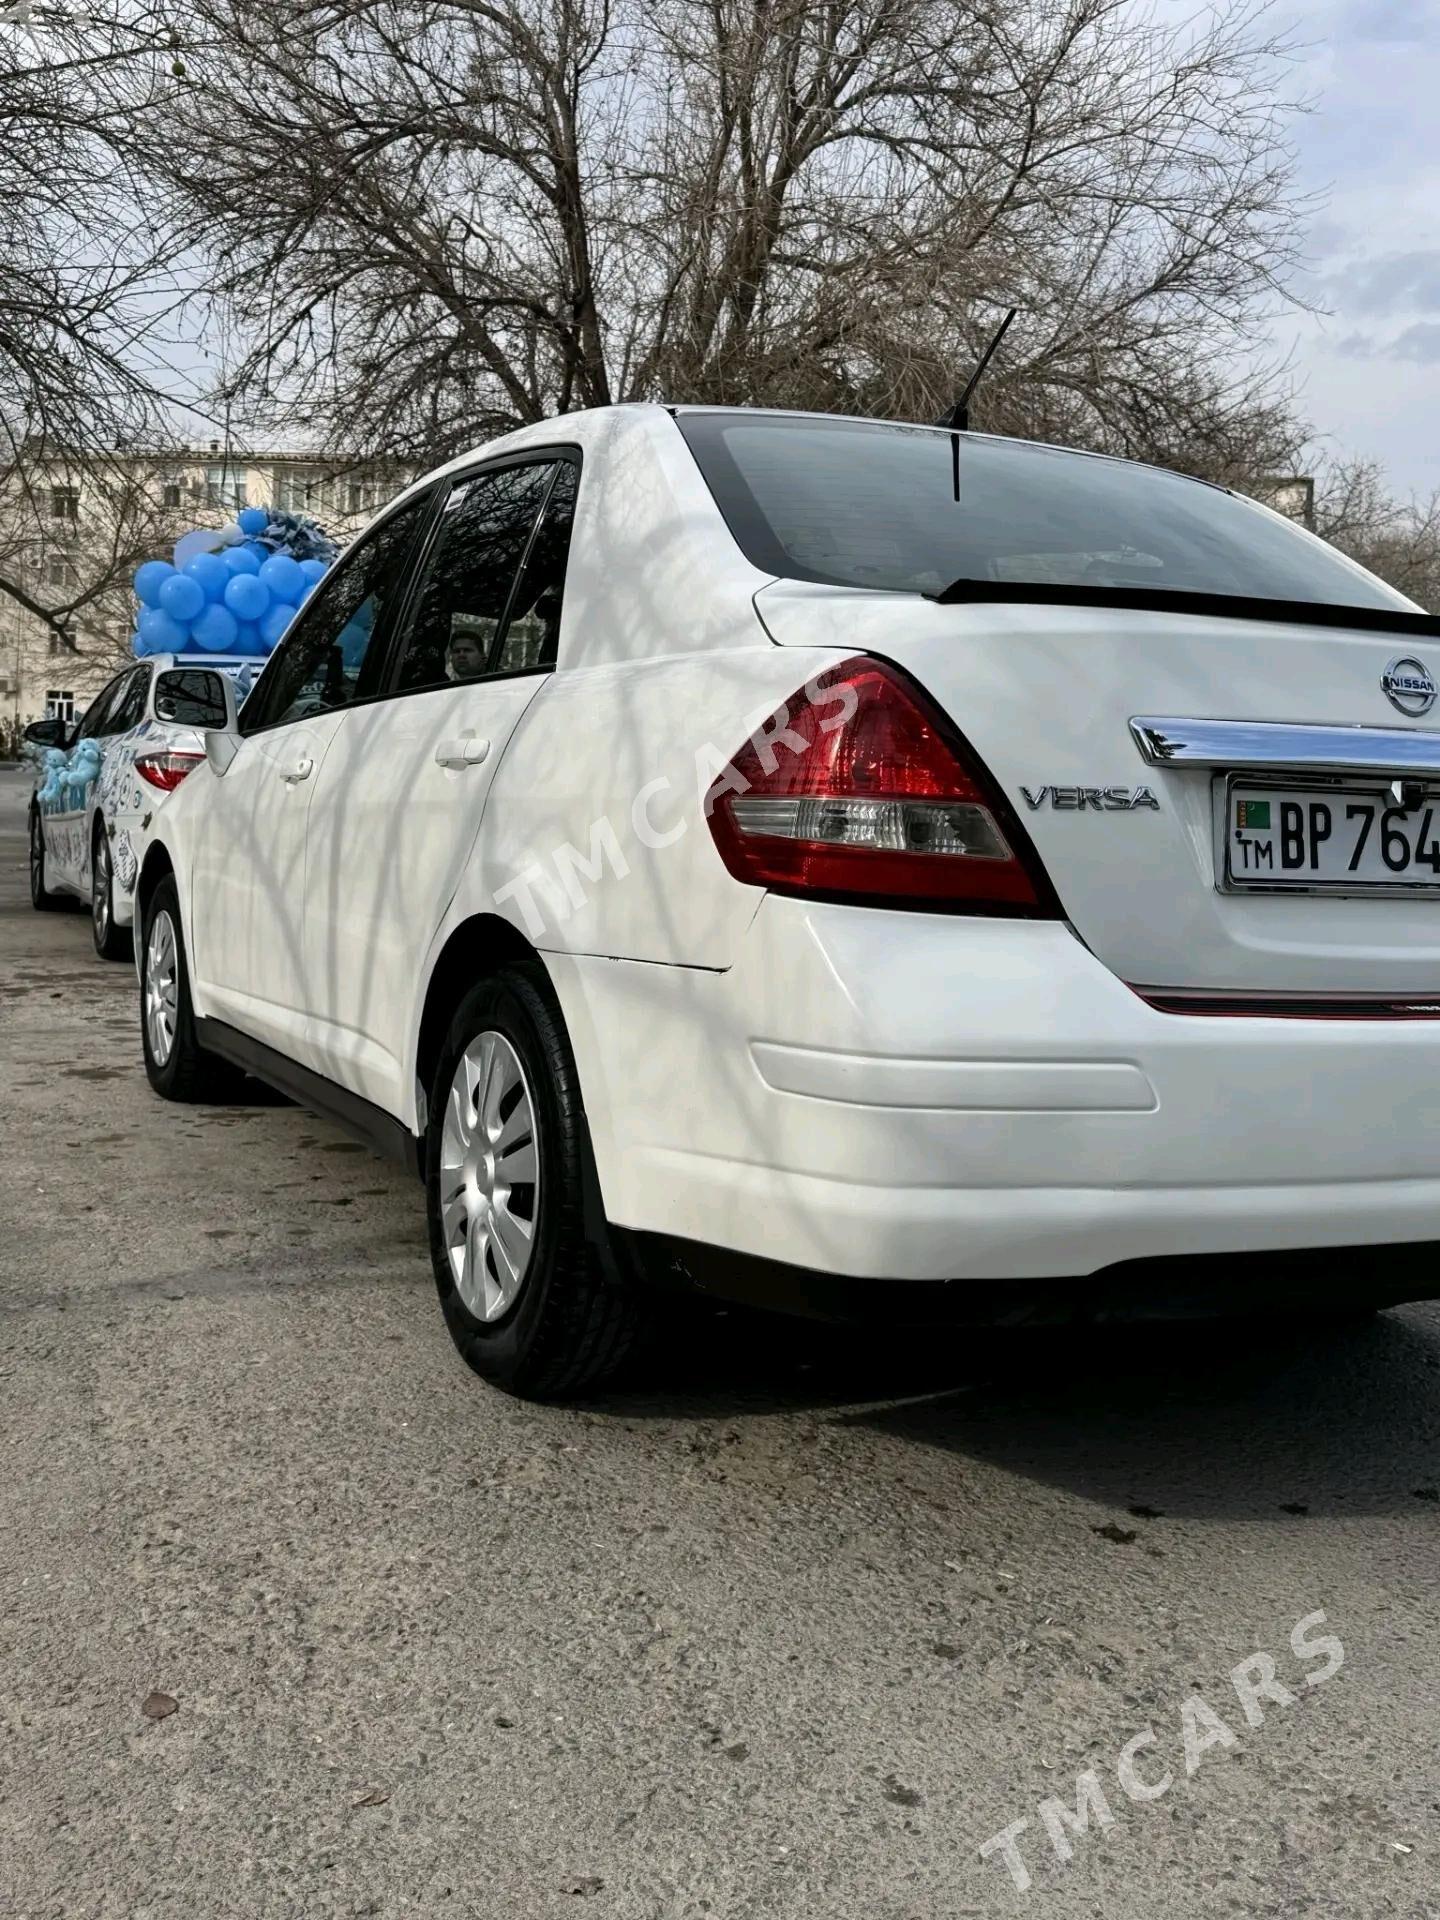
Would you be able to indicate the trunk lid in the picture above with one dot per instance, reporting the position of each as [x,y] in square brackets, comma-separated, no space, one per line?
[1045,695]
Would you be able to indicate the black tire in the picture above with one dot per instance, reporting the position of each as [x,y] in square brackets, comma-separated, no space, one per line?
[111,942]
[187,1072]
[575,1316]
[41,897]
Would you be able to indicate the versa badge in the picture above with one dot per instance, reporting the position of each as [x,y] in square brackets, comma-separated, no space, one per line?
[1102,799]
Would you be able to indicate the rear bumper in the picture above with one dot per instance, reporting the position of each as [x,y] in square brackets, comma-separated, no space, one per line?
[1180,1287]
[893,1096]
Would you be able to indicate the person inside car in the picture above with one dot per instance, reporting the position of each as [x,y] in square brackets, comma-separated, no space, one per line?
[464,657]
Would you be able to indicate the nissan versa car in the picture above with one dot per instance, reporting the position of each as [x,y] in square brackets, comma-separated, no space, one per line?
[859,866]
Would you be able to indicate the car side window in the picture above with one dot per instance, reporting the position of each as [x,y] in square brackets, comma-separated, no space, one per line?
[482,537]
[191,697]
[93,723]
[335,654]
[531,637]
[128,709]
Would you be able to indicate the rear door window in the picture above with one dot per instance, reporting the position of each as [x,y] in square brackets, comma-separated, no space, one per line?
[96,714]
[129,707]
[531,638]
[464,604]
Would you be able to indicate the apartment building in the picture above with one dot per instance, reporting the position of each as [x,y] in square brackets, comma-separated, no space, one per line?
[68,525]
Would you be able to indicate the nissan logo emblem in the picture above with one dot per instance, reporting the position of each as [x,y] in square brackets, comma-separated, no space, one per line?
[1406,684]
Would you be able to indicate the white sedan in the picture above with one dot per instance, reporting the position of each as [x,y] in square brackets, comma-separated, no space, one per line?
[865,867]
[146,728]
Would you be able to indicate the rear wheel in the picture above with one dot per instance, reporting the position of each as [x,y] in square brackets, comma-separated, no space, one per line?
[41,897]
[177,1066]
[529,1300]
[111,942]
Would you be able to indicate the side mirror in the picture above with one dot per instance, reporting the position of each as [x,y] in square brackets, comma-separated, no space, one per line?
[48,733]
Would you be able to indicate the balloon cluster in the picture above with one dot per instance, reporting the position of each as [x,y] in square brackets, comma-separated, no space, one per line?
[68,776]
[231,590]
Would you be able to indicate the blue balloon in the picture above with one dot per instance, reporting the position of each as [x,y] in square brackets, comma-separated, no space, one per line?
[258,548]
[181,597]
[149,579]
[212,573]
[314,571]
[240,560]
[284,578]
[275,623]
[252,519]
[159,632]
[247,639]
[247,597]
[215,630]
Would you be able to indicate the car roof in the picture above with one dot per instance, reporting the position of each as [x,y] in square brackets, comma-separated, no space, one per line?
[588,423]
[224,661]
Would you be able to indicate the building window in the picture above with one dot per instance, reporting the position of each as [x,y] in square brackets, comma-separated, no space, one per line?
[172,494]
[59,704]
[299,490]
[65,504]
[224,487]
[60,572]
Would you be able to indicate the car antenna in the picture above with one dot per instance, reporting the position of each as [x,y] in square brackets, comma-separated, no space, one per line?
[958,418]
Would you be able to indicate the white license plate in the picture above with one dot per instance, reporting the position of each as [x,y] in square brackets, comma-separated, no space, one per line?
[1340,839]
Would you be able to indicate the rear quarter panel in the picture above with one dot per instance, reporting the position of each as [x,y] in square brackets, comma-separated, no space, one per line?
[594,839]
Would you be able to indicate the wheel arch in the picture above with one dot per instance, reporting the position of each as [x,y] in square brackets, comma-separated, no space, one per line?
[153,869]
[477,947]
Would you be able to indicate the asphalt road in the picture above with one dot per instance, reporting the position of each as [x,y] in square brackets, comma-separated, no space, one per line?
[789,1626]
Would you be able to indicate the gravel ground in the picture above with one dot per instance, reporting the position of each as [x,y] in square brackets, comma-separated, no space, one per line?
[788,1626]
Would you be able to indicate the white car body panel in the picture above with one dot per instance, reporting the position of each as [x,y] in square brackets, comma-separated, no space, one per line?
[916,1097]
[874,1093]
[248,884]
[389,835]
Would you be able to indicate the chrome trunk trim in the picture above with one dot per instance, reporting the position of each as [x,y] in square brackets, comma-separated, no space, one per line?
[1299,749]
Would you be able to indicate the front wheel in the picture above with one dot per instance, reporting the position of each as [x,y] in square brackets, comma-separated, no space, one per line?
[111,942]
[176,1065]
[529,1300]
[41,897]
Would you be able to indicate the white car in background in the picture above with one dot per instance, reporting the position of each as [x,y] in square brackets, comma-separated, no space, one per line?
[868,867]
[149,727]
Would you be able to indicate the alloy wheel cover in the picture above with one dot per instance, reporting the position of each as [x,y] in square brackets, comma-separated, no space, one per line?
[162,987]
[489,1176]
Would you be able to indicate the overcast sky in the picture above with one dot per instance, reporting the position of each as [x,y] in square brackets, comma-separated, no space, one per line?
[1369,369]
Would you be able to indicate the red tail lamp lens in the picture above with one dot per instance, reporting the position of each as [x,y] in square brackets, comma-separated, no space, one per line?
[857,789]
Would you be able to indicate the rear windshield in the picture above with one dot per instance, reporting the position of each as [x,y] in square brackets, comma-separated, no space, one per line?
[863,504]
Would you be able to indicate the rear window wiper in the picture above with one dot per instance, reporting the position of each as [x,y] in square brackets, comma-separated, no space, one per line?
[1231,606]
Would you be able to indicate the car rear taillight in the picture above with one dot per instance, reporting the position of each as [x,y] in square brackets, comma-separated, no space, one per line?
[859,789]
[166,770]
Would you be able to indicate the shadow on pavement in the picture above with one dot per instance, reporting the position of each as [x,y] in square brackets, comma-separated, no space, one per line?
[1222,1420]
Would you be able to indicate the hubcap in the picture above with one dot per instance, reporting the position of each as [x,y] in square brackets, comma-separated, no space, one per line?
[489,1176]
[161,988]
[100,888]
